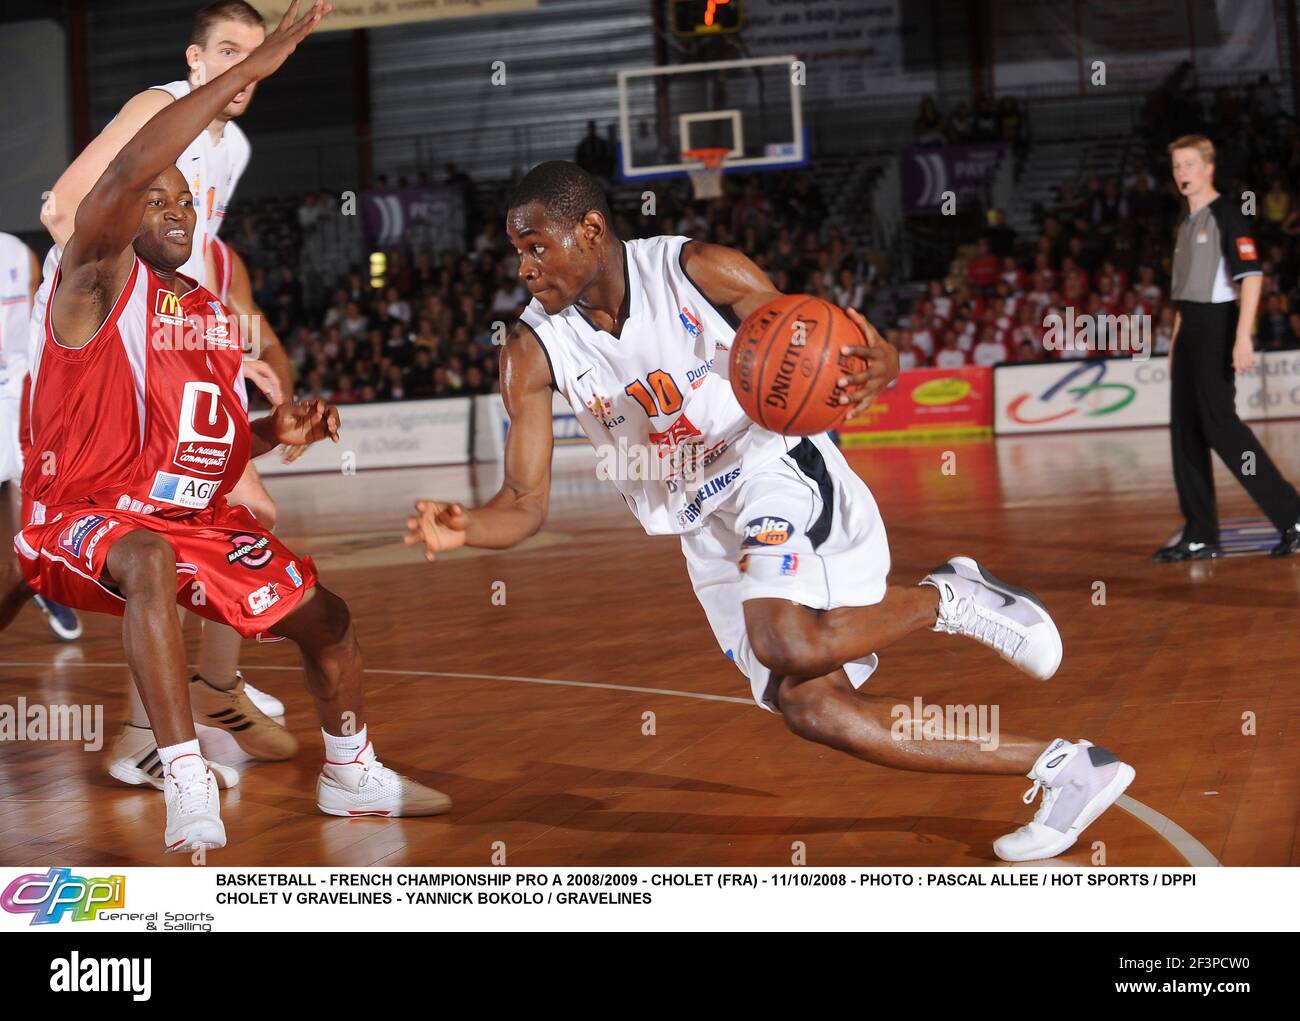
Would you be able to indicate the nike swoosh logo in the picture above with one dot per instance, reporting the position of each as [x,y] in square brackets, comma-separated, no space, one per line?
[581,374]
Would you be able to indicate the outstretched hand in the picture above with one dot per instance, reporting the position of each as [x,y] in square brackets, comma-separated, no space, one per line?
[292,30]
[438,526]
[882,366]
[298,423]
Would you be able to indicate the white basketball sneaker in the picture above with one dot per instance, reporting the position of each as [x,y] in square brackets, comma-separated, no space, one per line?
[365,786]
[1009,620]
[1076,789]
[193,806]
[269,704]
[134,760]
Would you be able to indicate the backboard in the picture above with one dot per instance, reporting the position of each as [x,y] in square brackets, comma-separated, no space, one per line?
[751,107]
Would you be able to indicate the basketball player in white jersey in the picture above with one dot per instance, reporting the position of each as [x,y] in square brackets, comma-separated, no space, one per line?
[783,541]
[223,34]
[19,273]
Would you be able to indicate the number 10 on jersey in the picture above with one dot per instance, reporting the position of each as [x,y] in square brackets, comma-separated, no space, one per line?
[658,395]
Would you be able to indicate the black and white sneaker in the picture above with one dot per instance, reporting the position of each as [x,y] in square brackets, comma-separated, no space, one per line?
[1181,551]
[63,620]
[1009,620]
[1290,542]
[134,760]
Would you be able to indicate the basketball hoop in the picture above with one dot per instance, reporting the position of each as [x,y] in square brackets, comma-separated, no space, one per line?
[705,167]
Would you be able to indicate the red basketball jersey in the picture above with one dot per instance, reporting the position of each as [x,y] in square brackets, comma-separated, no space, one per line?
[150,416]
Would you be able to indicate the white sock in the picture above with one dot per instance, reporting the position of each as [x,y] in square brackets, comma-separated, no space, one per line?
[344,749]
[175,751]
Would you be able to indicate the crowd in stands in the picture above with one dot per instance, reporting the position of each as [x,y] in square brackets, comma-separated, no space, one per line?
[989,120]
[1105,248]
[431,323]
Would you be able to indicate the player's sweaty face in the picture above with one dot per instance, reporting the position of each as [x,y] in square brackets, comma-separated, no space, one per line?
[228,43]
[167,227]
[555,262]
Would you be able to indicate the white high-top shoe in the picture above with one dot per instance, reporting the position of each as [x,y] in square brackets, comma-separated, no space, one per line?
[193,806]
[365,786]
[1079,781]
[1009,620]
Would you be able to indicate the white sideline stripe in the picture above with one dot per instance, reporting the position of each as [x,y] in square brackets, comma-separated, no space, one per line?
[1192,850]
[1183,842]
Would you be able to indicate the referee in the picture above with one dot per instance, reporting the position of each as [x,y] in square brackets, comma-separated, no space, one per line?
[1215,249]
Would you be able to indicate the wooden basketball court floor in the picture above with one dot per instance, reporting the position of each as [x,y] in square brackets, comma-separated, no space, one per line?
[532,715]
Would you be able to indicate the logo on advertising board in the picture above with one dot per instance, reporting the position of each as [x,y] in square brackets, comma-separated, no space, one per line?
[1065,398]
[941,391]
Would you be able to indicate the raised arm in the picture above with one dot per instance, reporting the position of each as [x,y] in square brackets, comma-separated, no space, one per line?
[98,256]
[61,204]
[519,507]
[729,279]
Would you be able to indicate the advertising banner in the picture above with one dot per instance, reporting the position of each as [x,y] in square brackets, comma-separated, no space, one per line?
[1118,393]
[927,403]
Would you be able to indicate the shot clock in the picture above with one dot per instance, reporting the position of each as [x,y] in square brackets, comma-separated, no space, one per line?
[706,17]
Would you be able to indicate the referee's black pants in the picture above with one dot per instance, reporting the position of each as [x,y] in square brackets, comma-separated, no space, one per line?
[1203,417]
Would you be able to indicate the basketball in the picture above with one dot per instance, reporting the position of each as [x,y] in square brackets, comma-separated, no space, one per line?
[787,361]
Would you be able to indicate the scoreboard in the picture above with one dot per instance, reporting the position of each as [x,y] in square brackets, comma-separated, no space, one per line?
[706,17]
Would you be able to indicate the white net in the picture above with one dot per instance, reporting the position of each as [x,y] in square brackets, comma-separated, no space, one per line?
[705,168]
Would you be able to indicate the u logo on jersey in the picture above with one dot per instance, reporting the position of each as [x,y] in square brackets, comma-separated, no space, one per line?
[206,432]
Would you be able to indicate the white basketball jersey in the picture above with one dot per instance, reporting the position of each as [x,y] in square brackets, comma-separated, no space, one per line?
[15,302]
[656,402]
[212,169]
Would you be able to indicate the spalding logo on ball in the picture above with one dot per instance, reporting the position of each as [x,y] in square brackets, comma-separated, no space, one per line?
[786,363]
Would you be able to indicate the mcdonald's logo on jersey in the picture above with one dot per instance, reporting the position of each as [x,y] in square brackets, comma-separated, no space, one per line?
[167,307]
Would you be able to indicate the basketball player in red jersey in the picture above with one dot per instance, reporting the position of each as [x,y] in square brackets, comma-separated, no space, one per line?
[783,542]
[223,33]
[139,432]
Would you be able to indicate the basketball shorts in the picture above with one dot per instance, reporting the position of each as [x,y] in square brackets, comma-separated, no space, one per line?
[803,527]
[228,568]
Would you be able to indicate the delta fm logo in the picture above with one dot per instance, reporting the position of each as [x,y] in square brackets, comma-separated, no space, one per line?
[767,531]
[50,897]
[1066,397]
